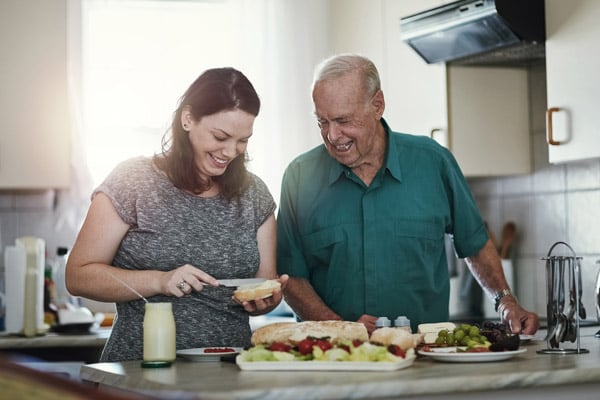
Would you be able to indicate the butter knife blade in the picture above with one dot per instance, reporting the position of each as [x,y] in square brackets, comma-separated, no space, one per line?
[240,282]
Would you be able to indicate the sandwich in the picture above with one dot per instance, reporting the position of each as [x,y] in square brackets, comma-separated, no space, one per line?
[320,341]
[388,336]
[255,291]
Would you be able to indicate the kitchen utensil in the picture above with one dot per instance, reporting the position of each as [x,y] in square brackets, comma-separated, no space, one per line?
[560,292]
[582,312]
[508,235]
[597,298]
[563,327]
[240,282]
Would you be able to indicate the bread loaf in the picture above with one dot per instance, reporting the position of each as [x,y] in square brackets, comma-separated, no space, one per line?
[293,333]
[398,336]
[257,291]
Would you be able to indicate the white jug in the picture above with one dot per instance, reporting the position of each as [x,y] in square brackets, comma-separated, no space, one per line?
[24,269]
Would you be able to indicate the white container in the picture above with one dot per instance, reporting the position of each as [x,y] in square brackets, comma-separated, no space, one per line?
[382,322]
[15,260]
[159,332]
[62,295]
[403,322]
[33,312]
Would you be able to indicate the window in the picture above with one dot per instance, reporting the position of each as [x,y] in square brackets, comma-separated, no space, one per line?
[139,56]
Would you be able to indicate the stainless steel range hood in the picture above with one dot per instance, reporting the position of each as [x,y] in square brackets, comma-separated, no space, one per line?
[478,32]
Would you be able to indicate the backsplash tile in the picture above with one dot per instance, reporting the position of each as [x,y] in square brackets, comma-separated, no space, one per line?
[583,216]
[583,175]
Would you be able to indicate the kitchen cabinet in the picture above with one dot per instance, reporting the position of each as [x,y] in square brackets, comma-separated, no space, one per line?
[481,114]
[488,120]
[572,65]
[35,136]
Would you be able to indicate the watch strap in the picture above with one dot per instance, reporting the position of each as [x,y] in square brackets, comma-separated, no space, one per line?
[500,295]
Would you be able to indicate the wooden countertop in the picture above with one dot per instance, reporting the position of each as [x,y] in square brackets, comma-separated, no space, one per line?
[224,380]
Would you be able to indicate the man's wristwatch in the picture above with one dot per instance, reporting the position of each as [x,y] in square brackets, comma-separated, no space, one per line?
[500,295]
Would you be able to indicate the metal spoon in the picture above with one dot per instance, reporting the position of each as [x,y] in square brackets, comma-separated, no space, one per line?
[561,317]
[582,312]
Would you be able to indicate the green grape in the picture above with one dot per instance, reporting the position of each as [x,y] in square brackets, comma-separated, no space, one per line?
[440,341]
[459,335]
[474,331]
[450,339]
[443,333]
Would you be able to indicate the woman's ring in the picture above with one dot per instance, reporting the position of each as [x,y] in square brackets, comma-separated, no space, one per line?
[181,284]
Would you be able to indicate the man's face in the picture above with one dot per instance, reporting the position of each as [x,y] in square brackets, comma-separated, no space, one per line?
[347,116]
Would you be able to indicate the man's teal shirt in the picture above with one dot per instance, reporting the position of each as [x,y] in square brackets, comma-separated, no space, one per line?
[378,250]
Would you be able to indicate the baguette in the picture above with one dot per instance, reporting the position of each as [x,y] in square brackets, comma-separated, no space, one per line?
[255,291]
[293,333]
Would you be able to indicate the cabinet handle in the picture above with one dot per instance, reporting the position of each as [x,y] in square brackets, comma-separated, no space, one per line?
[549,137]
[441,134]
[434,131]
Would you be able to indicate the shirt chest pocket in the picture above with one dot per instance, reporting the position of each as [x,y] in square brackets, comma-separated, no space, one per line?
[320,247]
[420,244]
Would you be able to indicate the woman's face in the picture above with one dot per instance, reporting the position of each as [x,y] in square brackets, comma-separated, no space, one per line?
[218,138]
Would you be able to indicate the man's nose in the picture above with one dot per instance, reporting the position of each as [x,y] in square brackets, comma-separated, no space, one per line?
[334,132]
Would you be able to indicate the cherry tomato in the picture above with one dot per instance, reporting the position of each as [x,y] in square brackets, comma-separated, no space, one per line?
[278,346]
[305,346]
[478,350]
[344,347]
[323,344]
[396,350]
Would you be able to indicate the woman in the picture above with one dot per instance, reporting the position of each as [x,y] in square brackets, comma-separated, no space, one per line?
[171,225]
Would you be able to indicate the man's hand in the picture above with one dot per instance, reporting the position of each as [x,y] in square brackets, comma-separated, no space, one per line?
[518,319]
[368,321]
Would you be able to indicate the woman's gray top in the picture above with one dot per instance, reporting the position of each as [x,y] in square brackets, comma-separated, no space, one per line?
[170,228]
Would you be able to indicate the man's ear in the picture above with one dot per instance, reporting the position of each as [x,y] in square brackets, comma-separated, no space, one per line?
[378,103]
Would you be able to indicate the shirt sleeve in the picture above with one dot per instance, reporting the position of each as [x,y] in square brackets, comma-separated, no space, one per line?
[468,228]
[122,185]
[264,199]
[290,258]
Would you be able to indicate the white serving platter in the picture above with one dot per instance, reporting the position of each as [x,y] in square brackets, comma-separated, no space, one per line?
[324,365]
[449,354]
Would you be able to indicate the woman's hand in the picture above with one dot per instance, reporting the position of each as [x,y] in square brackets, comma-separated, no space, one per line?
[263,306]
[185,280]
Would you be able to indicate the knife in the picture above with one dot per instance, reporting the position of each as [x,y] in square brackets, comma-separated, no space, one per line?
[239,282]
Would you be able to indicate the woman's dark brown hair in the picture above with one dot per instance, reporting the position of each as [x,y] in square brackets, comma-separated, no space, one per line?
[216,90]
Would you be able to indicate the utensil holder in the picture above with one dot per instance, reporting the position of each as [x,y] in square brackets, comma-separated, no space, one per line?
[556,267]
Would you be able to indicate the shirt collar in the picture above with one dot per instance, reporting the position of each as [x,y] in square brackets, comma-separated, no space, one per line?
[391,163]
[392,158]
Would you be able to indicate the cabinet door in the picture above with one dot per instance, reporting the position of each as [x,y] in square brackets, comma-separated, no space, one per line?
[573,85]
[34,142]
[488,126]
[415,91]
